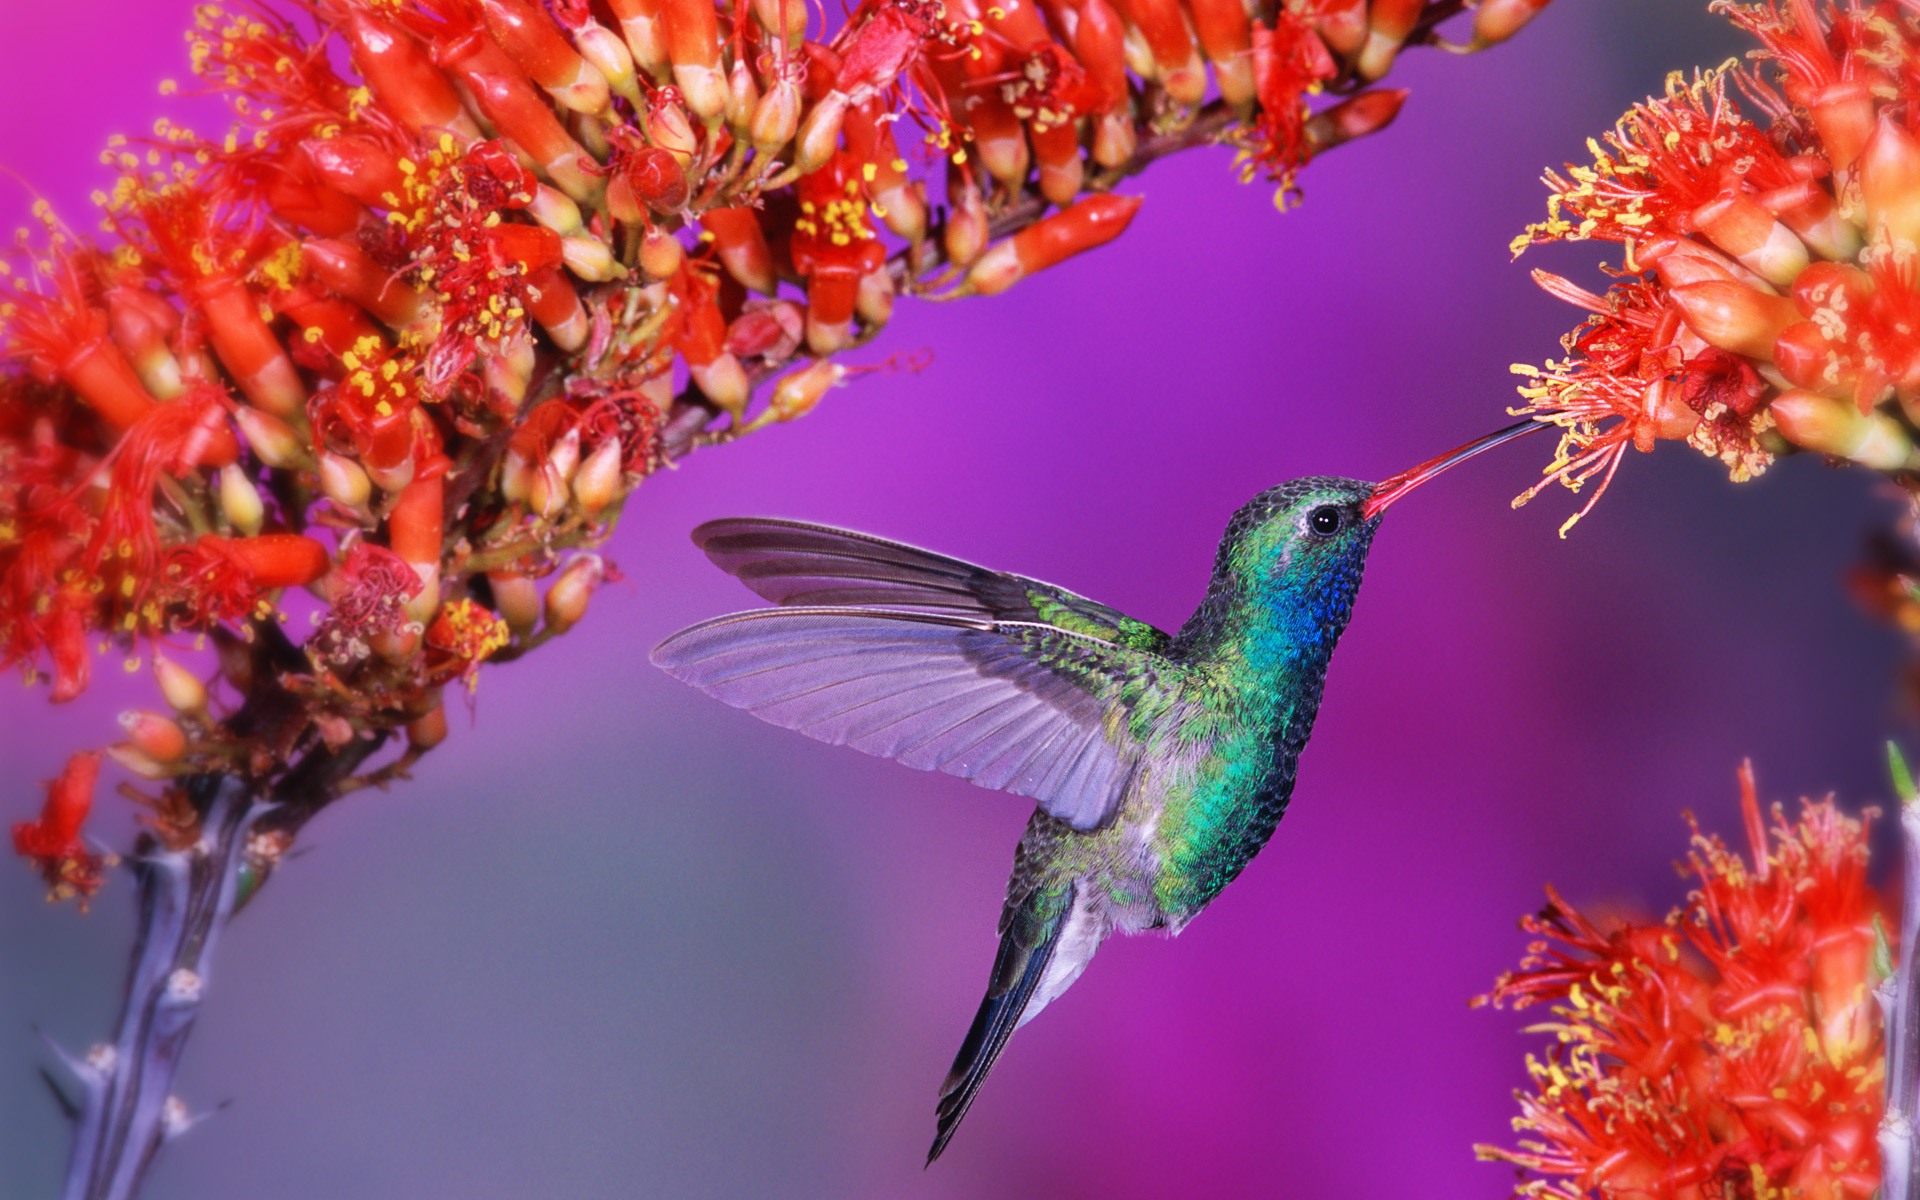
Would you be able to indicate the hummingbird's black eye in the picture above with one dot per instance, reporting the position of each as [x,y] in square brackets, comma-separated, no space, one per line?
[1325,520]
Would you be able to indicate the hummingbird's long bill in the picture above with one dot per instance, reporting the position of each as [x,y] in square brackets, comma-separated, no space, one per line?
[1389,490]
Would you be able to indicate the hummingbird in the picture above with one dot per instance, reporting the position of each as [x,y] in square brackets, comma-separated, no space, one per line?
[1159,763]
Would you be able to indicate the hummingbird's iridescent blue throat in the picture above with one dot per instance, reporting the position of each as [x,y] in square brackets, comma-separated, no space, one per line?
[1160,763]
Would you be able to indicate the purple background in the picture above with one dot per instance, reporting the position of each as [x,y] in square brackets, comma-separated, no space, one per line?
[617,939]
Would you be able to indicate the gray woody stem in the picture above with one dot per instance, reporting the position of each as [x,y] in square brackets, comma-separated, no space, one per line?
[127,1108]
[1899,996]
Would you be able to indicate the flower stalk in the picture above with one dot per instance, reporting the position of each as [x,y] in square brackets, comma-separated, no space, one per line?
[1899,997]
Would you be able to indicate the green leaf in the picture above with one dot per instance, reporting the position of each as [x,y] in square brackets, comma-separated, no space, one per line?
[1902,776]
[1882,952]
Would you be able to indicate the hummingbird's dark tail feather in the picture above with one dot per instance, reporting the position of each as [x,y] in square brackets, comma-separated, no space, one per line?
[1017,971]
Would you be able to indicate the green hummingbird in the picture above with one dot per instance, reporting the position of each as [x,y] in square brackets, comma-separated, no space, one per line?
[1160,763]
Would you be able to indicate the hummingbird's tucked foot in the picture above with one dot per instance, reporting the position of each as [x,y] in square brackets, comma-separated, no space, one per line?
[1160,764]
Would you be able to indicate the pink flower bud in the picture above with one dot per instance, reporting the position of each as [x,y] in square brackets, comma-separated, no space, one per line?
[724,381]
[601,478]
[775,118]
[798,392]
[138,762]
[554,209]
[604,49]
[240,500]
[273,441]
[567,598]
[1837,427]
[344,482]
[590,258]
[179,687]
[428,730]
[159,738]
[966,233]
[820,132]
[1498,20]
[660,254]
[517,598]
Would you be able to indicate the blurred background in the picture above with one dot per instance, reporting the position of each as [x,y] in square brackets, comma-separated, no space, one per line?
[618,939]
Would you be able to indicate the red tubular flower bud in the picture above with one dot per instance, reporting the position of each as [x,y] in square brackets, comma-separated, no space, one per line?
[1737,224]
[874,302]
[742,244]
[1342,25]
[1734,317]
[248,349]
[1226,36]
[529,37]
[999,138]
[415,526]
[1890,183]
[142,325]
[519,113]
[1098,38]
[271,560]
[535,248]
[335,325]
[1498,20]
[1830,426]
[642,26]
[1176,60]
[106,382]
[693,46]
[897,200]
[1355,117]
[298,196]
[1808,208]
[159,738]
[1056,151]
[359,167]
[1092,222]
[403,75]
[1807,359]
[346,269]
[556,305]
[1843,115]
[1388,24]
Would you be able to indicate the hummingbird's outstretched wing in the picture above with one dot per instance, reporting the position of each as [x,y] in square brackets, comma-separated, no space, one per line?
[793,563]
[1017,706]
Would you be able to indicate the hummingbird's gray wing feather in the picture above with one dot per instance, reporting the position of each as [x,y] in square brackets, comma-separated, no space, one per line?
[1019,707]
[796,563]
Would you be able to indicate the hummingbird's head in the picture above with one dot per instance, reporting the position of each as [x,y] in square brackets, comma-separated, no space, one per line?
[1295,552]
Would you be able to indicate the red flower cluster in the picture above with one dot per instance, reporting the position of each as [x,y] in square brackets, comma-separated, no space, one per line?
[465,271]
[1766,296]
[1733,1051]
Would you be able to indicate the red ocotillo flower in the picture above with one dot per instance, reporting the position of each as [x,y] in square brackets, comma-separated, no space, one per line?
[1733,1050]
[1767,272]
